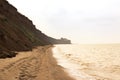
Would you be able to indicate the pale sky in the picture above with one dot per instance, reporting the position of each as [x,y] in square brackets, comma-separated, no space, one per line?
[82,21]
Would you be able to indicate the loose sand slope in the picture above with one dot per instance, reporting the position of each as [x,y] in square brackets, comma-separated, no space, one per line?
[33,65]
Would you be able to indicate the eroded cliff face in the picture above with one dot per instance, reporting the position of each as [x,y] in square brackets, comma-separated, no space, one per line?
[17,32]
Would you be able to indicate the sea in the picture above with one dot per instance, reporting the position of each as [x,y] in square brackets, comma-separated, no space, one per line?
[89,61]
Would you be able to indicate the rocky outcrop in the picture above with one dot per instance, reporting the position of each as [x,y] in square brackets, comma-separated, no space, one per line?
[63,41]
[17,32]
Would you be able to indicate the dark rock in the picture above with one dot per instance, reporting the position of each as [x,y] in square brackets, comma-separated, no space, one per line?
[7,54]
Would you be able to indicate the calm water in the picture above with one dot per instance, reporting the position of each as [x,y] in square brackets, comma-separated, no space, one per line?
[90,62]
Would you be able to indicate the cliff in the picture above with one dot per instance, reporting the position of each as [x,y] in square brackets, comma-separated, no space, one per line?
[18,33]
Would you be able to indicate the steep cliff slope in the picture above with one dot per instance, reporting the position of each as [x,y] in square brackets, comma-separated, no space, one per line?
[17,32]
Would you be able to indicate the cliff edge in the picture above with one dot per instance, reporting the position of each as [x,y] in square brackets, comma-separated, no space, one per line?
[18,33]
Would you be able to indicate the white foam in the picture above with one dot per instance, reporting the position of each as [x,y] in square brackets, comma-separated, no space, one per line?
[71,68]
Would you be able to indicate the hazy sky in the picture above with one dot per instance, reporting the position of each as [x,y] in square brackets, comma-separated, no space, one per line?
[82,21]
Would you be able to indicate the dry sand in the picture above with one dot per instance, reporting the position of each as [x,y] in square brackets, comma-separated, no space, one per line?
[38,64]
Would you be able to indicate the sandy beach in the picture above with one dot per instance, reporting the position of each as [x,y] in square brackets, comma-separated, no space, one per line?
[64,62]
[38,64]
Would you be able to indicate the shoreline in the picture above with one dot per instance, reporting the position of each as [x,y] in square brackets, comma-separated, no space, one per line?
[38,64]
[89,62]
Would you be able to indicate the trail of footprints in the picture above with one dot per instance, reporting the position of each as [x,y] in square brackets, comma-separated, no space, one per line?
[29,70]
[26,68]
